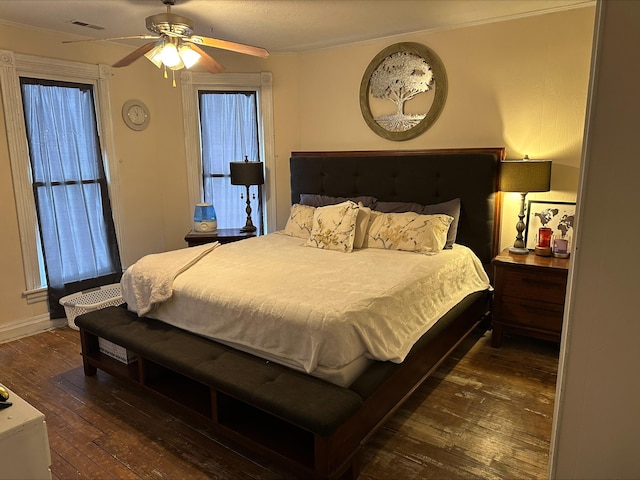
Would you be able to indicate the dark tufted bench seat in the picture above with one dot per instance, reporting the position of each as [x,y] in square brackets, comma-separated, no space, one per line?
[305,401]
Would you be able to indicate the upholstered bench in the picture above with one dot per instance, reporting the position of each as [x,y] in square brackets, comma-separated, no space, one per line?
[305,401]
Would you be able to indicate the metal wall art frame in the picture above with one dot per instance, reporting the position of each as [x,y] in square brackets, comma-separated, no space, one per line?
[400,73]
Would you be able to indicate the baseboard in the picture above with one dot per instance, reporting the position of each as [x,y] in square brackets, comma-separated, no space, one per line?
[37,324]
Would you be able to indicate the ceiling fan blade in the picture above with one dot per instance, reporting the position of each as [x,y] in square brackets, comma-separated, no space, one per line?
[136,54]
[207,61]
[143,37]
[226,45]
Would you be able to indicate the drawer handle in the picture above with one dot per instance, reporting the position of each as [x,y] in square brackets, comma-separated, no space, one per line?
[538,308]
[538,283]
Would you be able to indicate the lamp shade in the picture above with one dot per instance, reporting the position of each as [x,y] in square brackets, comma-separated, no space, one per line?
[246,173]
[525,176]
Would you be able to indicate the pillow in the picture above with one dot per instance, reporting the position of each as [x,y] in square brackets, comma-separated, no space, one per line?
[314,200]
[451,208]
[408,231]
[362,223]
[334,227]
[300,221]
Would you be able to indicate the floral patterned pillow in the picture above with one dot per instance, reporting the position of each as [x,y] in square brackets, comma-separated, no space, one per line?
[451,208]
[408,231]
[334,227]
[300,221]
[362,224]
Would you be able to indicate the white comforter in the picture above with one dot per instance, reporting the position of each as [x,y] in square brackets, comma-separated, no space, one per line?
[315,307]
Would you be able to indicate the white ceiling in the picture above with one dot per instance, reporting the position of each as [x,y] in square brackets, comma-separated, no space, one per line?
[277,25]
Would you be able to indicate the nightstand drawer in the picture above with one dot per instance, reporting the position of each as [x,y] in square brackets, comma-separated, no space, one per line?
[533,314]
[547,287]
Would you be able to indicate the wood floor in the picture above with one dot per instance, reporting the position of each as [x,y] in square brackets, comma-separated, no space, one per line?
[485,414]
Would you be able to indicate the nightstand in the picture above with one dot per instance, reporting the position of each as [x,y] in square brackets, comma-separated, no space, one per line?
[529,296]
[222,235]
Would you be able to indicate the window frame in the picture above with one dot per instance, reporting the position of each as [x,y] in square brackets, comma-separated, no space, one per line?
[261,83]
[12,67]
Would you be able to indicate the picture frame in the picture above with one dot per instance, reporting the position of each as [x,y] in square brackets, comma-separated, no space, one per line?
[421,74]
[559,216]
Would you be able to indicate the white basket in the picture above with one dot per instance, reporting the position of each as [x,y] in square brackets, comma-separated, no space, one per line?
[115,351]
[90,300]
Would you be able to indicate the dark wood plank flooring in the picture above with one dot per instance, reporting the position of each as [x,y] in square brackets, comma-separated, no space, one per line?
[485,414]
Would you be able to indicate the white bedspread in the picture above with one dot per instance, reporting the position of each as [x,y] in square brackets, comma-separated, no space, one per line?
[316,307]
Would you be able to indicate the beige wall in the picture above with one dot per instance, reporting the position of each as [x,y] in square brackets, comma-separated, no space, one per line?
[520,84]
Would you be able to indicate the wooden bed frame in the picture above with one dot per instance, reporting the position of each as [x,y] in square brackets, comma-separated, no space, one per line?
[275,411]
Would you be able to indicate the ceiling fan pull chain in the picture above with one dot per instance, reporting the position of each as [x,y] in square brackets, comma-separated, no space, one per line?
[173,73]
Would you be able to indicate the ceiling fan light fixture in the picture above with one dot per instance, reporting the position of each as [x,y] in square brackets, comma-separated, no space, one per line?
[188,55]
[155,55]
[170,56]
[180,66]
[175,47]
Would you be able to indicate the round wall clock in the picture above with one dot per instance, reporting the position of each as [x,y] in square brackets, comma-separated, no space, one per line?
[136,115]
[403,91]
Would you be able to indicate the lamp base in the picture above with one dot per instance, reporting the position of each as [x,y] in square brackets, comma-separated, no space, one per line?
[248,226]
[518,251]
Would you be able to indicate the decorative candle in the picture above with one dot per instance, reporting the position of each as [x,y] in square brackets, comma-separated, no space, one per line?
[544,237]
[560,245]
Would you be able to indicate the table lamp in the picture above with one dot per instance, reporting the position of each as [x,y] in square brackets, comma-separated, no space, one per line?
[247,173]
[524,176]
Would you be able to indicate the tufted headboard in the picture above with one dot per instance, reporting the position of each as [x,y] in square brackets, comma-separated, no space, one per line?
[421,176]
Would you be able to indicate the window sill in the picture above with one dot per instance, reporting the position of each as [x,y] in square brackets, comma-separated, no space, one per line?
[35,296]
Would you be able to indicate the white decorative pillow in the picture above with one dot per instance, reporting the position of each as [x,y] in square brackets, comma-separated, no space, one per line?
[362,224]
[334,227]
[408,231]
[300,221]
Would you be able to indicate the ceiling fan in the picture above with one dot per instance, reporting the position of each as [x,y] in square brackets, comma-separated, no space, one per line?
[176,47]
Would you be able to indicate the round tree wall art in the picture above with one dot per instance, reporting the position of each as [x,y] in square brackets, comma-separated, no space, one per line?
[403,91]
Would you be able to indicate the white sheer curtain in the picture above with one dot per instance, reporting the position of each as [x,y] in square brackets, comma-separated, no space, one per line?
[78,236]
[229,132]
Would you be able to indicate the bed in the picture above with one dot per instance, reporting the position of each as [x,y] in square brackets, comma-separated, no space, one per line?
[310,394]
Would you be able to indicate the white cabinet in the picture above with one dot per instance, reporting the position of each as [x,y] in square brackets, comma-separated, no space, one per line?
[24,445]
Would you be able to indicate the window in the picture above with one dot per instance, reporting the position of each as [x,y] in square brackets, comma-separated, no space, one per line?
[228,132]
[13,67]
[70,188]
[195,87]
